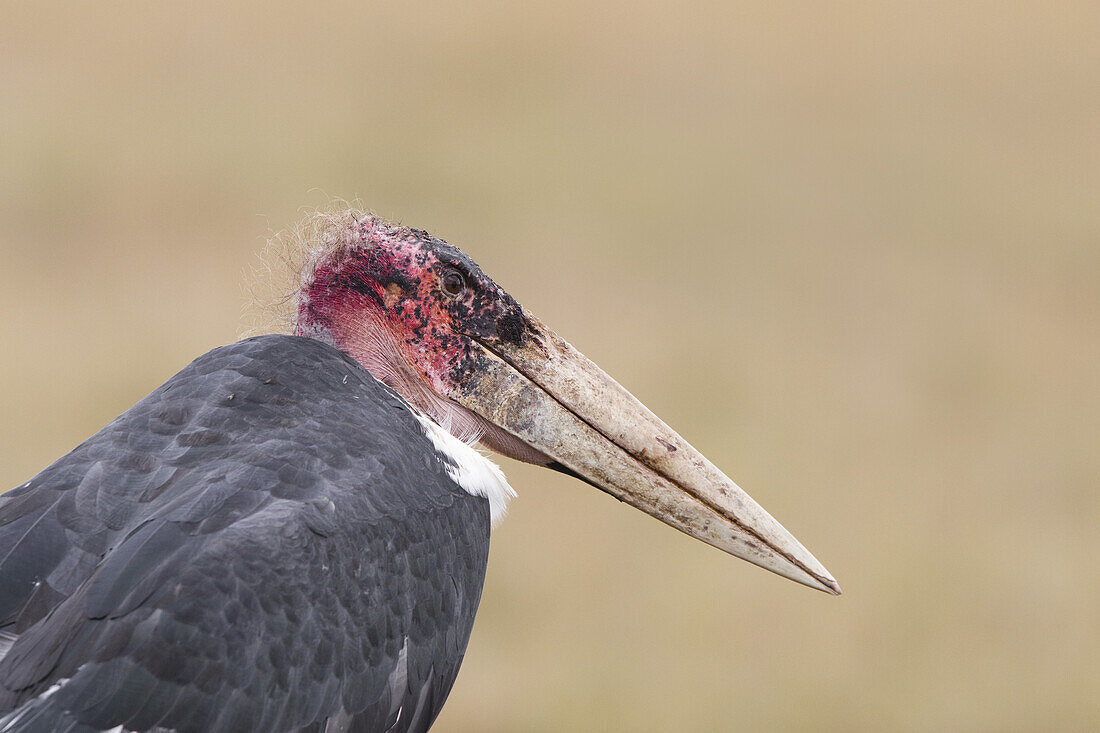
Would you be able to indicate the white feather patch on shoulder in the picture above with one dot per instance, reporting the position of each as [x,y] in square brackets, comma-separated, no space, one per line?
[470,470]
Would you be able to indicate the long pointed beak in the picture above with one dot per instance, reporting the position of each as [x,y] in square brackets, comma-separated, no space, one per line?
[554,399]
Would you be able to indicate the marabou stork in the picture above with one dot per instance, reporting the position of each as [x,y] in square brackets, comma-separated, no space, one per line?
[291,533]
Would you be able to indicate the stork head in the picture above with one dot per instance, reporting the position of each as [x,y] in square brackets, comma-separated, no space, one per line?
[424,319]
[417,313]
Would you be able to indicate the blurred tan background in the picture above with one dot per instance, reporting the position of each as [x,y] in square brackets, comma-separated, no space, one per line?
[851,251]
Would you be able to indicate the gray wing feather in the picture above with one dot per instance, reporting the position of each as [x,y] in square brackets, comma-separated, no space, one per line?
[267,542]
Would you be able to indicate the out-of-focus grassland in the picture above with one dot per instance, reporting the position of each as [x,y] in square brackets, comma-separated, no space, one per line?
[852,252]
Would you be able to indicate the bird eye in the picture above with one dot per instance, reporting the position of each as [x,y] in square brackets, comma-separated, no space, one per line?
[452,282]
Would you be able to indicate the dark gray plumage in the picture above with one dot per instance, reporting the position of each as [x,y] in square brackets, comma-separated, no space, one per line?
[267,542]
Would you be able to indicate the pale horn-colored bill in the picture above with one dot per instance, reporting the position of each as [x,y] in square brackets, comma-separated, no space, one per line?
[553,398]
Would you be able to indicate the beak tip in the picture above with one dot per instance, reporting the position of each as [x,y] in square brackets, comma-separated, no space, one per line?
[818,581]
[824,581]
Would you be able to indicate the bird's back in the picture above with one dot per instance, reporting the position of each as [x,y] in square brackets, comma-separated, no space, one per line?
[267,542]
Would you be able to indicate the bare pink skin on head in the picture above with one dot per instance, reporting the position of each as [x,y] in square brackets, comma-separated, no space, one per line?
[411,309]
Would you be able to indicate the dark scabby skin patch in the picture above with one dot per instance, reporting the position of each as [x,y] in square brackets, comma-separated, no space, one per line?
[394,274]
